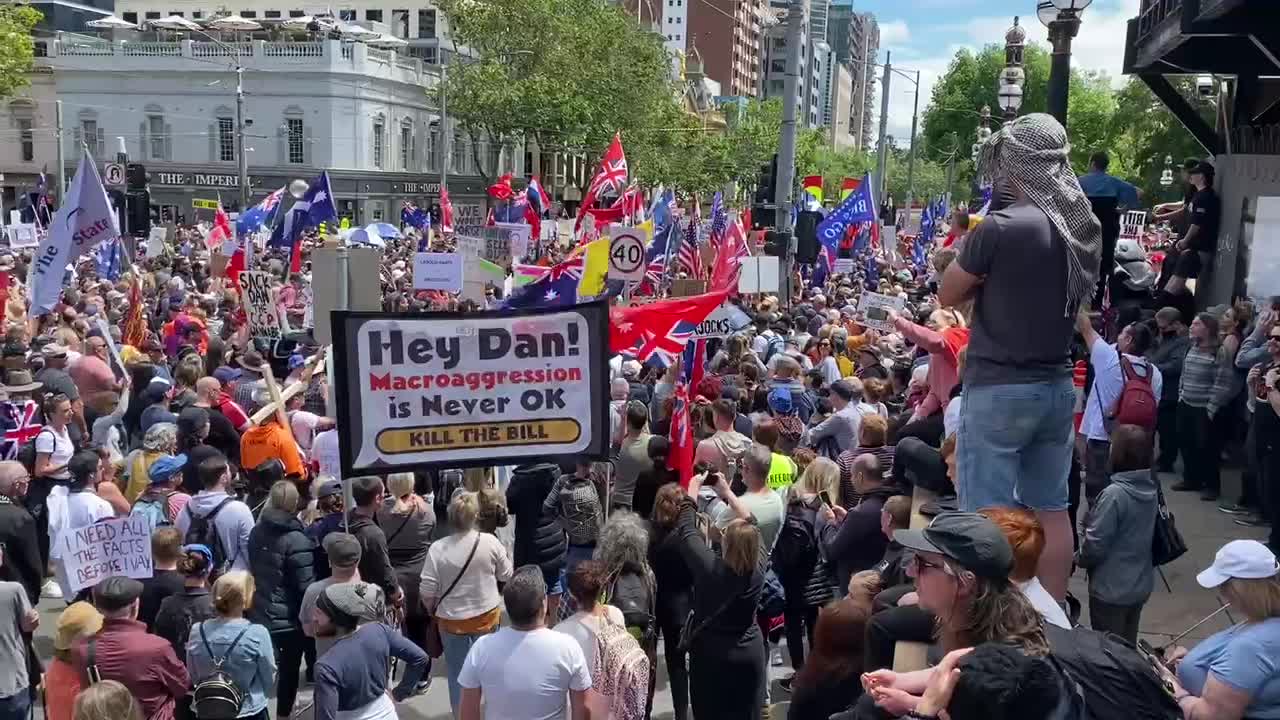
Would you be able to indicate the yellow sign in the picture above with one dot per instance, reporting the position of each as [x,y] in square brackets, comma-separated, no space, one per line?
[478,435]
[199,204]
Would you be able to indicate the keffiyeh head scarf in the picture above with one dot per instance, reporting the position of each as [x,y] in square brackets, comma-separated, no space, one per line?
[1031,154]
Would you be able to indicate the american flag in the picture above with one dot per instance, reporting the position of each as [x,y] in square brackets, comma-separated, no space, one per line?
[20,427]
[690,260]
[719,220]
[694,367]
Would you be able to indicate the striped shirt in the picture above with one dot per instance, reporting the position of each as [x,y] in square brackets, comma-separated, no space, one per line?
[1199,373]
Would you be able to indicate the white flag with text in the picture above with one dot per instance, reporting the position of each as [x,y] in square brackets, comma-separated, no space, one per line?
[84,219]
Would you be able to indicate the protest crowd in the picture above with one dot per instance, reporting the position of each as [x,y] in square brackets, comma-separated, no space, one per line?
[860,483]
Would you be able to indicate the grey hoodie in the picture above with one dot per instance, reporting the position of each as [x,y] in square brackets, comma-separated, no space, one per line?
[233,524]
[1116,548]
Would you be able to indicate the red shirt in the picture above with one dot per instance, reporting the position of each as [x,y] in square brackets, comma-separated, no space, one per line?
[142,662]
[232,411]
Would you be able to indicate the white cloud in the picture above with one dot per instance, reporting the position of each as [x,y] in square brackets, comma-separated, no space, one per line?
[930,49]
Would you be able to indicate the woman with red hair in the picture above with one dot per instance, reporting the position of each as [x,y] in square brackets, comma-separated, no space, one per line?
[1026,536]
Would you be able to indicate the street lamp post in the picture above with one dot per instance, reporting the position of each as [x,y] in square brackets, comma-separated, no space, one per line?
[1062,17]
[1013,77]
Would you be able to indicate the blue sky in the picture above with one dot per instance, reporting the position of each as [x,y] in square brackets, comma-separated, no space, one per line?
[925,34]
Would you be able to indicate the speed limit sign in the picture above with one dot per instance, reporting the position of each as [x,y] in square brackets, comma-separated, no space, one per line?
[626,253]
[113,174]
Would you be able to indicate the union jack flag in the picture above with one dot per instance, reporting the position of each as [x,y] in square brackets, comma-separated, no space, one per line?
[20,427]
[689,259]
[661,329]
[680,458]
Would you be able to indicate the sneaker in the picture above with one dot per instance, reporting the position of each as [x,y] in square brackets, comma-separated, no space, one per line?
[51,590]
[301,706]
[422,687]
[1234,509]
[775,657]
[785,683]
[1253,521]
[1184,486]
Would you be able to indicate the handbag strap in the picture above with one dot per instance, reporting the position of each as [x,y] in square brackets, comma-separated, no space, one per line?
[461,572]
[696,629]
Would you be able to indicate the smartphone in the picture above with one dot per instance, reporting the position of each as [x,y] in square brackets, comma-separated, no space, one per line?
[824,497]
[876,312]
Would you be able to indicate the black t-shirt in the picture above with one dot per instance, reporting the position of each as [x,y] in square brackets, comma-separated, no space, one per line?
[223,435]
[1206,214]
[154,590]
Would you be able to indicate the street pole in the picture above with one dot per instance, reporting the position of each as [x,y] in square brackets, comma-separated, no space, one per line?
[784,182]
[1061,31]
[242,159]
[446,137]
[951,167]
[911,157]
[883,155]
[62,159]
[862,96]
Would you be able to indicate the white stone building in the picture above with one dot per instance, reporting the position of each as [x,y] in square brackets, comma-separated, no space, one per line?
[29,144]
[367,116]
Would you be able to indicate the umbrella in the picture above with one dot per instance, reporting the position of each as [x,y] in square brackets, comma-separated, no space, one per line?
[366,236]
[300,23]
[389,41]
[234,23]
[174,22]
[111,22]
[356,32]
[386,230]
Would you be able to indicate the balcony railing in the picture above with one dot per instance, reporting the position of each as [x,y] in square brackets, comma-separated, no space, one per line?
[1155,12]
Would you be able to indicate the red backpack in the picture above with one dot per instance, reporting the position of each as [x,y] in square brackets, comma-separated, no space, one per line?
[1137,402]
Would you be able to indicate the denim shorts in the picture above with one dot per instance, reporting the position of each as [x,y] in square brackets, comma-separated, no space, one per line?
[1014,445]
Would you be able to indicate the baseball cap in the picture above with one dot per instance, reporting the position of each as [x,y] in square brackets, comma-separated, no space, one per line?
[844,389]
[54,350]
[166,467]
[343,549]
[780,400]
[971,540]
[79,620]
[1190,163]
[329,487]
[296,361]
[115,593]
[1204,167]
[226,374]
[1244,559]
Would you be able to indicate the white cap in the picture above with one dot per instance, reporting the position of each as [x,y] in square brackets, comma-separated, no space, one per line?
[1244,559]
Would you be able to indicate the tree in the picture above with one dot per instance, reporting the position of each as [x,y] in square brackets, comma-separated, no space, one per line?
[1146,132]
[16,50]
[567,73]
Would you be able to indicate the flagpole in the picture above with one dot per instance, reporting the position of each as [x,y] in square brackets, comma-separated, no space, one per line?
[62,157]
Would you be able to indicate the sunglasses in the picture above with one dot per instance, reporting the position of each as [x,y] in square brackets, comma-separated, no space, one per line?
[919,564]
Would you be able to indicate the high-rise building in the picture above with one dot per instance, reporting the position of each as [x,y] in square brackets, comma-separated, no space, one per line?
[814,59]
[725,36]
[668,18]
[864,46]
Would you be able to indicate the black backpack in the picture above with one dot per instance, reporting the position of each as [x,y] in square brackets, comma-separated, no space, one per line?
[202,531]
[27,452]
[631,593]
[217,696]
[795,552]
[1114,680]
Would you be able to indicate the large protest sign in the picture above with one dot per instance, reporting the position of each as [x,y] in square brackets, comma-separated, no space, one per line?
[22,235]
[722,322]
[437,271]
[497,243]
[872,310]
[260,304]
[455,389]
[93,553]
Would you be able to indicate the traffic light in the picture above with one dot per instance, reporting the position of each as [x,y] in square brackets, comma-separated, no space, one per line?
[135,175]
[139,204]
[777,243]
[120,205]
[807,236]
[768,177]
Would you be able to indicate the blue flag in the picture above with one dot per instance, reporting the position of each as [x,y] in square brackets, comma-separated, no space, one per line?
[414,216]
[264,213]
[315,207]
[859,207]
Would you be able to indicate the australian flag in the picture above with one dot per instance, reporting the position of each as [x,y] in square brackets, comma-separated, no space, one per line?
[262,214]
[110,259]
[315,207]
[557,288]
[414,216]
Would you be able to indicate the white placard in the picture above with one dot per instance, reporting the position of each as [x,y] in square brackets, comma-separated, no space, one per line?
[1264,251]
[156,241]
[871,310]
[626,253]
[22,235]
[437,271]
[844,266]
[260,303]
[759,275]
[93,553]
[722,322]
[497,243]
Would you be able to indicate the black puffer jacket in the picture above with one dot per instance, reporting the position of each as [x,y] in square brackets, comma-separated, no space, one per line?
[282,560]
[539,539]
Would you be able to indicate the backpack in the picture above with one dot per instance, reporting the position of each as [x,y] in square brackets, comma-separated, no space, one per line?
[631,594]
[217,696]
[773,347]
[27,453]
[795,552]
[1115,681]
[202,531]
[156,511]
[1137,402]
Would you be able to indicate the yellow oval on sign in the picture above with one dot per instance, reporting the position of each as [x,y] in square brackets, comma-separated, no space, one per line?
[462,436]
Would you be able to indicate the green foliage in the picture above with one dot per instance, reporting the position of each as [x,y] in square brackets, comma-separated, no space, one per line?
[1147,132]
[16,51]
[568,73]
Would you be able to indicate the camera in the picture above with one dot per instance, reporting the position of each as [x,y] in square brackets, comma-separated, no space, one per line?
[1206,86]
